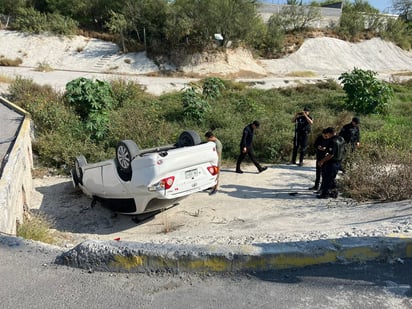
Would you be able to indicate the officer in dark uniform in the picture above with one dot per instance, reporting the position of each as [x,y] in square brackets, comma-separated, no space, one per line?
[330,164]
[320,145]
[303,122]
[351,133]
[246,147]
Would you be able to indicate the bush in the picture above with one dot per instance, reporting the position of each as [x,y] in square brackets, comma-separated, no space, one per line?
[33,21]
[397,31]
[92,101]
[212,87]
[365,94]
[378,173]
[194,106]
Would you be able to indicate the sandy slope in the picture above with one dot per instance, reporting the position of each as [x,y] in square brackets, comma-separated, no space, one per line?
[80,56]
[332,56]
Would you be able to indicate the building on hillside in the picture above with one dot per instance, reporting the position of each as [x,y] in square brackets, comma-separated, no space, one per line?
[330,14]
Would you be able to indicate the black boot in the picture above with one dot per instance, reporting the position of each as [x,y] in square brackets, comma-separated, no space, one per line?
[314,188]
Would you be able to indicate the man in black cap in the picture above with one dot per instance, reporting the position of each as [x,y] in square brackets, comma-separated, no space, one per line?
[247,149]
[331,163]
[320,145]
[303,122]
[351,133]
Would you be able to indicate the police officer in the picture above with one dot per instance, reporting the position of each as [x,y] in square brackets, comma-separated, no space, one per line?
[303,122]
[330,164]
[320,145]
[351,133]
[246,147]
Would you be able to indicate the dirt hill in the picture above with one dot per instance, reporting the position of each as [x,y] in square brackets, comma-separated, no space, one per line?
[318,58]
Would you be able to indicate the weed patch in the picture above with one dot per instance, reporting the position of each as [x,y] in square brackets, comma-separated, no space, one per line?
[43,67]
[150,121]
[37,227]
[5,62]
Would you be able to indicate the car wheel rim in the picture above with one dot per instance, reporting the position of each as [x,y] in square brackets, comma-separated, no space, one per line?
[123,157]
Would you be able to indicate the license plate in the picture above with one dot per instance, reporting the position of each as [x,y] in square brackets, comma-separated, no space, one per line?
[190,174]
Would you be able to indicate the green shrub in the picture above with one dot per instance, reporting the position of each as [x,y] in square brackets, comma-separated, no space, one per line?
[194,106]
[212,87]
[32,21]
[398,32]
[92,101]
[366,94]
[60,24]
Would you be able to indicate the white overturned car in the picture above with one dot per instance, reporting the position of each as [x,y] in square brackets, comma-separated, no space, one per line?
[141,181]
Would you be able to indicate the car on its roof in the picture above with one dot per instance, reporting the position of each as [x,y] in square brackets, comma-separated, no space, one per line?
[142,181]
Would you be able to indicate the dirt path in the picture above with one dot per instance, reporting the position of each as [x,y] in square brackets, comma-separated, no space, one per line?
[274,206]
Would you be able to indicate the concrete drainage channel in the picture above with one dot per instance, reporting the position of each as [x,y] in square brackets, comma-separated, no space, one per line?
[121,256]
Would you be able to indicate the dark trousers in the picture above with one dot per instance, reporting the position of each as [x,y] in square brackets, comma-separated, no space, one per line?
[300,142]
[242,156]
[318,174]
[329,172]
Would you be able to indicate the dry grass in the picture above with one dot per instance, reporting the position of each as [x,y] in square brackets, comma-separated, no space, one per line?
[43,67]
[5,62]
[6,79]
[403,74]
[168,226]
[378,175]
[302,74]
[37,227]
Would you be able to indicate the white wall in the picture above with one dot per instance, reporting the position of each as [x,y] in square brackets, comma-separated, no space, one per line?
[16,181]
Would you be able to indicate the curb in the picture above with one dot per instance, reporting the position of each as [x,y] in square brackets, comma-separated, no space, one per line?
[140,257]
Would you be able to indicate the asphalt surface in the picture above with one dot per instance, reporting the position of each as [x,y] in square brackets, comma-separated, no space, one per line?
[10,122]
[30,279]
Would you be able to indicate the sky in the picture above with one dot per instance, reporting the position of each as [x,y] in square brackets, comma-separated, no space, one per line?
[381,5]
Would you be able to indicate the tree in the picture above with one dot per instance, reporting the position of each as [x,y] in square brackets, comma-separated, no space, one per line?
[298,17]
[196,21]
[365,94]
[148,21]
[118,24]
[403,8]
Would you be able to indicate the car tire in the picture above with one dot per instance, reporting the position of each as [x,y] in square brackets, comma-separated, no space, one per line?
[126,151]
[77,173]
[188,138]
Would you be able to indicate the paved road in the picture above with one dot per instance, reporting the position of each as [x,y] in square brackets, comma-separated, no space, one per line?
[10,122]
[30,279]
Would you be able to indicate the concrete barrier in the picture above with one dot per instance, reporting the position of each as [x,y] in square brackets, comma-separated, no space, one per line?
[16,178]
[142,257]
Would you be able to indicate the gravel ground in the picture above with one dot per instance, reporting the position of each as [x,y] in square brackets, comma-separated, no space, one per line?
[251,208]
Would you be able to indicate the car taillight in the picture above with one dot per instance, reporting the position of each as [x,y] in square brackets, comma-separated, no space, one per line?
[167,183]
[214,170]
[164,184]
